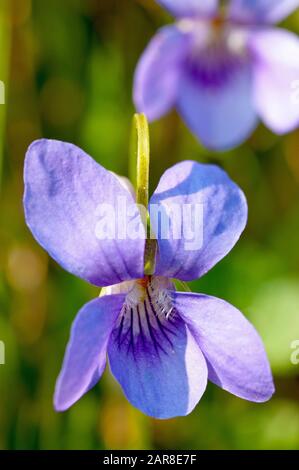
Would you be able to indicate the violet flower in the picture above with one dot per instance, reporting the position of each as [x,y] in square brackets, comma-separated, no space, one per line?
[222,71]
[162,345]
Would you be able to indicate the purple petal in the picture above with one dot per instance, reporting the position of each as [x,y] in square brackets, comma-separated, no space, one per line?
[194,8]
[85,357]
[65,190]
[234,351]
[157,363]
[215,99]
[158,72]
[206,214]
[276,57]
[261,11]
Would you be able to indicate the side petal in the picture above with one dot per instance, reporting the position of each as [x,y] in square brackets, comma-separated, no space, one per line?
[261,11]
[197,214]
[85,356]
[158,365]
[218,106]
[193,8]
[68,197]
[234,351]
[158,72]
[276,72]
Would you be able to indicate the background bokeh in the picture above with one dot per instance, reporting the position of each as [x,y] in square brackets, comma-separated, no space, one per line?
[68,69]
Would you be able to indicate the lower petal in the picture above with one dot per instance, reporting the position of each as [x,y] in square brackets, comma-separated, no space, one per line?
[85,357]
[276,72]
[218,108]
[235,354]
[157,363]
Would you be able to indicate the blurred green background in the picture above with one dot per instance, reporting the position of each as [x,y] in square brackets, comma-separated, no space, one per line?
[68,69]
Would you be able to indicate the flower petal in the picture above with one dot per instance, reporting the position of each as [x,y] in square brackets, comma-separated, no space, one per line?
[218,109]
[160,368]
[261,11]
[157,74]
[65,192]
[276,84]
[234,351]
[192,8]
[85,357]
[203,214]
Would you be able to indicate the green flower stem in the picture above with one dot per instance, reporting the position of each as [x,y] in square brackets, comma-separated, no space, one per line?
[140,162]
[141,155]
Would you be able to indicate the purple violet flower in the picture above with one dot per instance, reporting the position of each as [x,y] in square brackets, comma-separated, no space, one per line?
[162,345]
[222,71]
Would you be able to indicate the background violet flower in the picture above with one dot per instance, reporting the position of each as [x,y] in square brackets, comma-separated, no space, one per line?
[222,72]
[162,345]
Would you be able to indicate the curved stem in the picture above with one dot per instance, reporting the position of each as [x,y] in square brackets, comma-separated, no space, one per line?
[140,162]
[141,155]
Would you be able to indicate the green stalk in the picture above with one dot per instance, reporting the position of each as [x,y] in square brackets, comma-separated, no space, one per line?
[141,158]
[140,162]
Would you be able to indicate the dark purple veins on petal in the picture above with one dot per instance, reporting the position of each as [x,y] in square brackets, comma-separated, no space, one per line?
[163,328]
[149,325]
[213,67]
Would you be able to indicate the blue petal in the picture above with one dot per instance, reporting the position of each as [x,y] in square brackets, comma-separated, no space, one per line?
[65,190]
[158,72]
[276,73]
[193,8]
[205,212]
[159,365]
[261,11]
[234,351]
[218,107]
[85,357]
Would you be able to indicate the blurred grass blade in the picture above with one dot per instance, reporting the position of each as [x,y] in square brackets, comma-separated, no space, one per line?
[5,33]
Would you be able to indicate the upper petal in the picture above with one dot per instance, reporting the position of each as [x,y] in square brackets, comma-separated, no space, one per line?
[158,72]
[85,357]
[202,215]
[276,73]
[68,196]
[215,99]
[234,351]
[157,362]
[194,8]
[261,11]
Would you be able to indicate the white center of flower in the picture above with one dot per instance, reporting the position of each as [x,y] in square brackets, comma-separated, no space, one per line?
[216,33]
